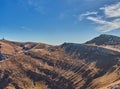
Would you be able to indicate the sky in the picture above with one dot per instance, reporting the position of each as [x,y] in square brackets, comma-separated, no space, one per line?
[58,21]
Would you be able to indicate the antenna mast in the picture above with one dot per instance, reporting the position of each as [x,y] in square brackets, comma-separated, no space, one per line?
[3,38]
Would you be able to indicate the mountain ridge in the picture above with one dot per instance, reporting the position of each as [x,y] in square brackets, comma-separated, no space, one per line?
[67,66]
[105,39]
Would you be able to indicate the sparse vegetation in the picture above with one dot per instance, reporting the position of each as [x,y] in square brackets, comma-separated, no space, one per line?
[68,66]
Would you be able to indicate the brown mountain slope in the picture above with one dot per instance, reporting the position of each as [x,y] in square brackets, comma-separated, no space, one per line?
[106,41]
[68,66]
[10,48]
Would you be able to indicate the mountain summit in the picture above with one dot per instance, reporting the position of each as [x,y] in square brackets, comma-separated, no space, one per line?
[105,39]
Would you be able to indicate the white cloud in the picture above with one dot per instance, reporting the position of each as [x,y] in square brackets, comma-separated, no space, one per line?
[112,10]
[97,20]
[108,21]
[81,16]
[106,26]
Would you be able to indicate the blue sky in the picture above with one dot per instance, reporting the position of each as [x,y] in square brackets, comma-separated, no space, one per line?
[58,21]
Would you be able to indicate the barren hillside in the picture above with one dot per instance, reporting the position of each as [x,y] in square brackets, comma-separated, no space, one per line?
[67,66]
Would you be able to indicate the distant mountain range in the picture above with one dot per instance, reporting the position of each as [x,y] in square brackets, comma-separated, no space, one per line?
[92,65]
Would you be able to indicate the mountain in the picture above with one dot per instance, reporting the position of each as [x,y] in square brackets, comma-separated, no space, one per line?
[33,65]
[10,48]
[105,40]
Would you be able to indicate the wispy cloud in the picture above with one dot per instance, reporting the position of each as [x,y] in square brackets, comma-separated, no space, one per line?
[105,26]
[112,10]
[37,5]
[81,16]
[25,28]
[62,16]
[109,20]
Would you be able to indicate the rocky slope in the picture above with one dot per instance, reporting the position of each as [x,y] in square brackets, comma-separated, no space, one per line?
[68,66]
[106,41]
